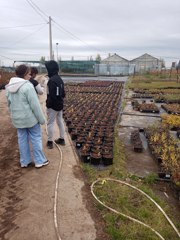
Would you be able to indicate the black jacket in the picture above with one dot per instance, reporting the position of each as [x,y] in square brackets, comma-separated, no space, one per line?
[55,87]
[34,82]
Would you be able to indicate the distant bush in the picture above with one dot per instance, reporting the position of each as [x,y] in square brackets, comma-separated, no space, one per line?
[4,78]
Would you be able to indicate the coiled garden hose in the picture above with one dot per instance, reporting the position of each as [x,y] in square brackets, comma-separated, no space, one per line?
[133,219]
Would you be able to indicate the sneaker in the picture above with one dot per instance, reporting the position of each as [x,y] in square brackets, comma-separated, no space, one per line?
[60,141]
[42,164]
[49,144]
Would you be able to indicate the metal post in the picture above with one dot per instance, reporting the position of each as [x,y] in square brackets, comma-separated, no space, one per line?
[57,50]
[50,39]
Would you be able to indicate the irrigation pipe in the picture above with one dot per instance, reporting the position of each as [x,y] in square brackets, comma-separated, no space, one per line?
[56,194]
[133,219]
[139,115]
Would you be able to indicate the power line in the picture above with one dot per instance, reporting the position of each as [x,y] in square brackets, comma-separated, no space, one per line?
[20,40]
[35,9]
[74,36]
[39,8]
[44,17]
[40,12]
[6,57]
[37,30]
[22,26]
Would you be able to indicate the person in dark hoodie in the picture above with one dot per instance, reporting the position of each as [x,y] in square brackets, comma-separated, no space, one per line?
[54,103]
[26,115]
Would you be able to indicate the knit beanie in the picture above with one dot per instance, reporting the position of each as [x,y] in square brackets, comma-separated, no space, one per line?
[21,71]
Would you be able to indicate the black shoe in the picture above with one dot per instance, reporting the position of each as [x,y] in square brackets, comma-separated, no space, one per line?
[60,141]
[49,144]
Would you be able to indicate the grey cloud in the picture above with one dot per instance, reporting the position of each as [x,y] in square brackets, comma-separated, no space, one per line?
[129,28]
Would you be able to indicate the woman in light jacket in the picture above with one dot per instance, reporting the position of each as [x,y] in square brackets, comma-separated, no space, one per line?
[26,116]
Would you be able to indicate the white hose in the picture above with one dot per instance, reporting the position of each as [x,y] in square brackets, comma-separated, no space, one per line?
[56,193]
[133,219]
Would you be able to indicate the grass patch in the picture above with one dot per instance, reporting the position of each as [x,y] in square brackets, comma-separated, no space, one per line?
[150,178]
[148,81]
[154,85]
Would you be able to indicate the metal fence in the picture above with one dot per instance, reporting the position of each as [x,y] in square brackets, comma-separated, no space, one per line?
[114,69]
[77,66]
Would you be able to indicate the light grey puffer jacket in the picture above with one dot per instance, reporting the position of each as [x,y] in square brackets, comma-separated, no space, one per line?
[23,103]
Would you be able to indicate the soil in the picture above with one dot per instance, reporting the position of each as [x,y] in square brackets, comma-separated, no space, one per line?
[27,196]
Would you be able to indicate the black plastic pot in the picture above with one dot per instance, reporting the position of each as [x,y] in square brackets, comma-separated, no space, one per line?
[107,159]
[95,158]
[85,156]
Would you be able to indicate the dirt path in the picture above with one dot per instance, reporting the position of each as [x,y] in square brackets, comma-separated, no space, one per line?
[27,196]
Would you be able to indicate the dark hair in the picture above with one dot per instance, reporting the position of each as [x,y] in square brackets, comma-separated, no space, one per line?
[34,70]
[21,71]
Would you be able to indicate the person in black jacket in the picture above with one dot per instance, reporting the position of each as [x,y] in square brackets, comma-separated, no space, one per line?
[54,103]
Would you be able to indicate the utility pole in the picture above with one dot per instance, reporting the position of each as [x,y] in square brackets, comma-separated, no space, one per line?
[50,39]
[57,51]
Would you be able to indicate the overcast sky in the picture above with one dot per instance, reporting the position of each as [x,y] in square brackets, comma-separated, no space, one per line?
[85,28]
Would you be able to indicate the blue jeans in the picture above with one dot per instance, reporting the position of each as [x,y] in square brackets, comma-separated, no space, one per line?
[33,135]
